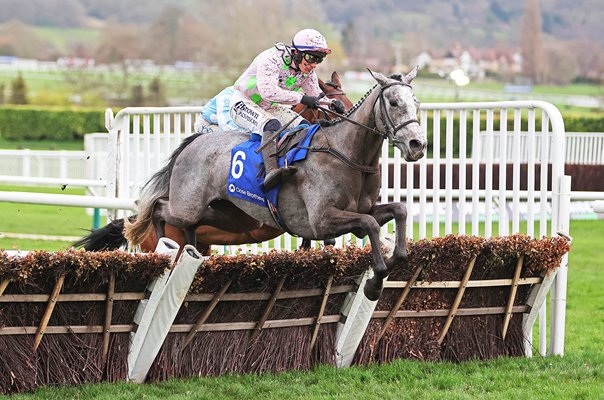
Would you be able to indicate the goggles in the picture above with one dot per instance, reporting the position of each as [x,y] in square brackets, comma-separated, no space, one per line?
[312,59]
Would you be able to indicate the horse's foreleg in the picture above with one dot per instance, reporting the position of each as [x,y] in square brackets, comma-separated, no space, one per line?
[384,213]
[332,223]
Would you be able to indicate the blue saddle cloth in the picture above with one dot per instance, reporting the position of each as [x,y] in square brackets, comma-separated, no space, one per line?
[245,177]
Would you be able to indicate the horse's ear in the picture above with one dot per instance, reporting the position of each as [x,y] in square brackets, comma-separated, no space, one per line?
[381,79]
[412,74]
[335,78]
[323,86]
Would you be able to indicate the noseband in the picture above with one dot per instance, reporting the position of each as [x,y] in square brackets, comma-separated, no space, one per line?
[390,125]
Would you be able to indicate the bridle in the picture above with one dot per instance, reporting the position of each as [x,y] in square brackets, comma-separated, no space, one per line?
[386,135]
[391,128]
[383,113]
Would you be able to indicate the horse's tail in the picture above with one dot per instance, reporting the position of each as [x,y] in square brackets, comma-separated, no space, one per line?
[156,188]
[109,237]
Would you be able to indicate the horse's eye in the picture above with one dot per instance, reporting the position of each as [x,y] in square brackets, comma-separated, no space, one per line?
[393,103]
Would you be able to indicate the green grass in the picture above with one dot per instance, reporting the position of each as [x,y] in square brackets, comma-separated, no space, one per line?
[41,219]
[64,38]
[98,89]
[579,89]
[550,378]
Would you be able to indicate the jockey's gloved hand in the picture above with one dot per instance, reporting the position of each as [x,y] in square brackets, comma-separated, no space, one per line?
[310,101]
[337,106]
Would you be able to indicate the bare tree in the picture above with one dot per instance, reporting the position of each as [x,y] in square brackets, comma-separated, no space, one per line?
[589,57]
[119,42]
[562,66]
[19,39]
[164,36]
[237,42]
[533,61]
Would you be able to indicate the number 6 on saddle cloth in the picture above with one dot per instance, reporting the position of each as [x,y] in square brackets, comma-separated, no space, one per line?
[247,168]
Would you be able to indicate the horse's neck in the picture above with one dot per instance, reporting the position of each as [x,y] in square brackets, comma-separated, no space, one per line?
[362,145]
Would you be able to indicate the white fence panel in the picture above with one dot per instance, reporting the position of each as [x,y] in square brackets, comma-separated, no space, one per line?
[45,163]
[141,140]
[580,147]
[462,188]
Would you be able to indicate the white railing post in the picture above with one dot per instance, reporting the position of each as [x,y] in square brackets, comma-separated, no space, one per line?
[558,296]
[112,159]
[26,163]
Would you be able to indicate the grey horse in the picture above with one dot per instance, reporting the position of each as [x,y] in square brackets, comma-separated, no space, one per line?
[334,192]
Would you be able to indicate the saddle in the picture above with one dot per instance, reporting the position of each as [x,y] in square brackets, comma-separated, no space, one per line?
[290,139]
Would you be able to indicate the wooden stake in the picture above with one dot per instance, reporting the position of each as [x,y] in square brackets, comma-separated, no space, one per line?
[3,285]
[52,301]
[508,309]
[315,331]
[399,302]
[460,292]
[268,309]
[206,313]
[108,316]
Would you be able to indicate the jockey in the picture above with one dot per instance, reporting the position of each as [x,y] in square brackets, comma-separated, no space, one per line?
[278,78]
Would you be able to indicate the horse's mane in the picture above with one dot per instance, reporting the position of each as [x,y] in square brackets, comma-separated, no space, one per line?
[325,123]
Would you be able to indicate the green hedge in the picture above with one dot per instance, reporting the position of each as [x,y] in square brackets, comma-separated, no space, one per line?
[34,123]
[584,124]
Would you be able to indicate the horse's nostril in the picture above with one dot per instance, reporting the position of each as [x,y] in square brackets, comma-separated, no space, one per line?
[416,145]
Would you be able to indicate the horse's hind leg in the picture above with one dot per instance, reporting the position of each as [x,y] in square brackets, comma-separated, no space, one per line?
[190,236]
[327,242]
[159,222]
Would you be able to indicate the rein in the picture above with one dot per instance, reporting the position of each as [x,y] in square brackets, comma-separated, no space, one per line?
[353,164]
[382,112]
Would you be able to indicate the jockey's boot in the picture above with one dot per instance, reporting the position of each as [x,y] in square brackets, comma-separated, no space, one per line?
[274,174]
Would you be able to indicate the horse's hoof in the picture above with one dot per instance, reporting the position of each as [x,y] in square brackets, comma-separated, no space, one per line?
[373,290]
